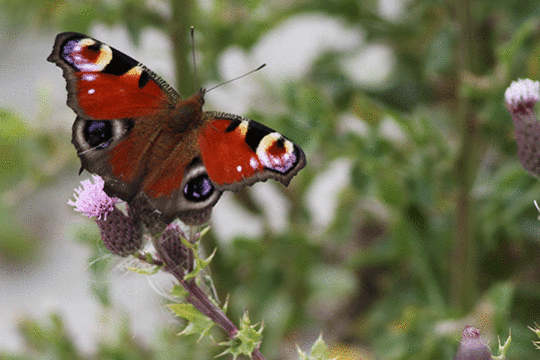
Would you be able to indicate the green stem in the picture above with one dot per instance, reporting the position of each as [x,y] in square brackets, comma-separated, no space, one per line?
[179,33]
[198,298]
[463,288]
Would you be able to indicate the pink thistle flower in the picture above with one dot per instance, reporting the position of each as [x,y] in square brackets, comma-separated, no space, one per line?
[92,200]
[520,98]
[121,234]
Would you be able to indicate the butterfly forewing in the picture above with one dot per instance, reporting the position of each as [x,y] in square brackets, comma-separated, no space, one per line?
[237,152]
[104,83]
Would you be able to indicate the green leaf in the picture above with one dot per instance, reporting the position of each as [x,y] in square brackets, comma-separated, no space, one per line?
[145,271]
[200,263]
[209,282]
[50,337]
[179,291]
[99,264]
[508,52]
[246,340]
[319,351]
[536,330]
[146,267]
[503,348]
[198,324]
[13,156]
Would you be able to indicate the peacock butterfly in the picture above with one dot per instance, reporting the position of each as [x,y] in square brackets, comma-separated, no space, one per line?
[134,130]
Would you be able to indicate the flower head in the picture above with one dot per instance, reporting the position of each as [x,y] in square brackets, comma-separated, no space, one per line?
[92,200]
[521,95]
[121,234]
[520,98]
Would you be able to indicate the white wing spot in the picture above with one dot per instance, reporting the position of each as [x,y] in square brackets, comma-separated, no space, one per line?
[91,91]
[254,163]
[89,77]
[239,168]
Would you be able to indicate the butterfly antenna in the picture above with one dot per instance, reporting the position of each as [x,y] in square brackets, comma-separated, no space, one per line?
[193,54]
[236,78]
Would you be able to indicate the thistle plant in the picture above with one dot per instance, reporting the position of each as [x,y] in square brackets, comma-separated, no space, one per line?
[172,251]
[520,97]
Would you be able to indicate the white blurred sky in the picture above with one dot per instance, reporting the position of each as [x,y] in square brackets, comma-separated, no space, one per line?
[31,85]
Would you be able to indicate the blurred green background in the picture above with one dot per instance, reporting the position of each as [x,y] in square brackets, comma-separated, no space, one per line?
[412,219]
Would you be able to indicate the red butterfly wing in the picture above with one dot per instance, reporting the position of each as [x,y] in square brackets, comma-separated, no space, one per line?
[105,84]
[238,152]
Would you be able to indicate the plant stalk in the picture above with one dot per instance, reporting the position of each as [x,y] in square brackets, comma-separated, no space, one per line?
[179,34]
[463,274]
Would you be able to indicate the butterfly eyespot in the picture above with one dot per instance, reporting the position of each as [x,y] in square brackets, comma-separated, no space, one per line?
[98,134]
[199,188]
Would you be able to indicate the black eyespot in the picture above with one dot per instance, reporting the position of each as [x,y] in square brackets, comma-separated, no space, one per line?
[98,133]
[199,188]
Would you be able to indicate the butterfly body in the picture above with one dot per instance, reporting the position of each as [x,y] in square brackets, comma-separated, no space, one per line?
[135,131]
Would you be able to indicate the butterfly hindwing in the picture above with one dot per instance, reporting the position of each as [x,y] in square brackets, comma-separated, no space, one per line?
[237,152]
[157,168]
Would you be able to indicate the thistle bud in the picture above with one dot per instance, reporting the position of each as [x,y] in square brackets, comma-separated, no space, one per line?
[169,247]
[520,99]
[471,347]
[121,234]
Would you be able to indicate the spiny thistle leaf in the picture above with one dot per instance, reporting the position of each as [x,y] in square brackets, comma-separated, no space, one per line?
[503,348]
[246,340]
[145,271]
[209,282]
[146,268]
[200,263]
[536,330]
[198,324]
[319,351]
[203,232]
[179,291]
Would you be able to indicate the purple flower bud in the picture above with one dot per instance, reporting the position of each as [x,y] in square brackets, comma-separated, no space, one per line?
[169,247]
[121,234]
[471,347]
[520,99]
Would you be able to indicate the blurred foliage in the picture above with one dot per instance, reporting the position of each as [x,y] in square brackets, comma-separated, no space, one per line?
[435,226]
[28,161]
